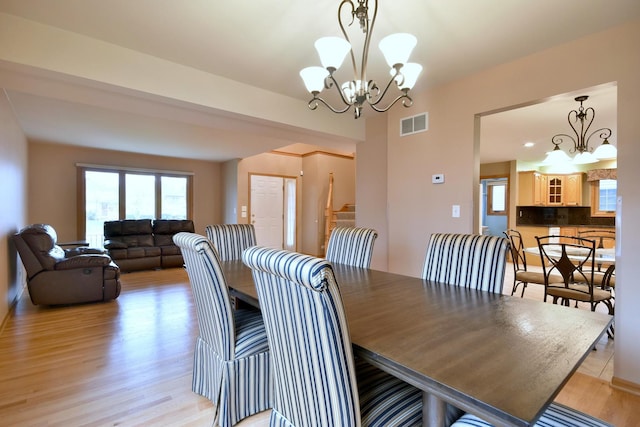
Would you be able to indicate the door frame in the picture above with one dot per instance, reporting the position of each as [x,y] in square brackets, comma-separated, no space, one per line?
[284,201]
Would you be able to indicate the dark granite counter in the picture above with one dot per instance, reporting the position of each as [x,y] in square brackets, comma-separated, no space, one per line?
[560,215]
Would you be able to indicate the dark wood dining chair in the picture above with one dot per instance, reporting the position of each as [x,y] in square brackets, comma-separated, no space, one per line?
[573,259]
[604,239]
[521,275]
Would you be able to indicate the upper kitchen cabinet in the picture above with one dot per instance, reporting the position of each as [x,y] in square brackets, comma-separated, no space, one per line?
[538,189]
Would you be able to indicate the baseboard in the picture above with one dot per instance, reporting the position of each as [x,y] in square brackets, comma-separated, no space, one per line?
[10,311]
[626,386]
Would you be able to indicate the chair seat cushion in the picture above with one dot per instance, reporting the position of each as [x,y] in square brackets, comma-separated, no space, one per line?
[578,292]
[556,415]
[386,400]
[535,277]
[598,278]
[251,337]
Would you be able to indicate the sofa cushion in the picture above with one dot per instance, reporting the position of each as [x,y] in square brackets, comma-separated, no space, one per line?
[127,227]
[164,229]
[170,250]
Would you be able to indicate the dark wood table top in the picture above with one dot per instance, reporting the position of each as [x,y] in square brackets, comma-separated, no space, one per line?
[503,358]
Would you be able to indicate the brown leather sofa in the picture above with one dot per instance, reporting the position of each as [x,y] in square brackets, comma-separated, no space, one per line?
[57,276]
[144,244]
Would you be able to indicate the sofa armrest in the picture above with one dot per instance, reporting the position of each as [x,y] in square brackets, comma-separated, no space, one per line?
[82,261]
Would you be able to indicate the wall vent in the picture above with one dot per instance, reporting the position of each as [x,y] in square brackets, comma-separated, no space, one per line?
[414,124]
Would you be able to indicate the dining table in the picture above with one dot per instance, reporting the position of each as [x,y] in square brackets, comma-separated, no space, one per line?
[499,357]
[601,255]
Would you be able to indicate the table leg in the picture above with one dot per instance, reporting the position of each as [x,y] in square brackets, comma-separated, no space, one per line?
[434,410]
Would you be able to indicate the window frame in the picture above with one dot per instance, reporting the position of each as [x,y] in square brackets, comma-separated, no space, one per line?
[490,210]
[123,171]
[595,201]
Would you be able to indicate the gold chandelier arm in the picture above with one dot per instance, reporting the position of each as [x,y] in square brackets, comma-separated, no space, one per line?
[559,139]
[344,32]
[380,96]
[313,104]
[605,133]
[367,39]
[406,101]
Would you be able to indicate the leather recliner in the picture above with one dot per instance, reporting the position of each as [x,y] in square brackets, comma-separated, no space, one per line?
[57,276]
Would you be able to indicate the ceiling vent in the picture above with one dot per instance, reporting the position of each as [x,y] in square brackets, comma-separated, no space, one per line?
[414,124]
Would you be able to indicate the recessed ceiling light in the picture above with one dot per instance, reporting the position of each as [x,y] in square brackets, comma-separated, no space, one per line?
[529,144]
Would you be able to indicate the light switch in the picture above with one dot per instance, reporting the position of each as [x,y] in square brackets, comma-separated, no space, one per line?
[455,211]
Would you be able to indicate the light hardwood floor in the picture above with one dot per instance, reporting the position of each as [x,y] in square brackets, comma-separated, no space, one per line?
[128,363]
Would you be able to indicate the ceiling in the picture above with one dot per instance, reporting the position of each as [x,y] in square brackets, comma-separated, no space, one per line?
[266,43]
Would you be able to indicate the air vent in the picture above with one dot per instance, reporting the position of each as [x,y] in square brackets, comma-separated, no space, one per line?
[414,124]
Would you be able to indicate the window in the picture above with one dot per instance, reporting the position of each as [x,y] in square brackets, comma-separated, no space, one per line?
[496,198]
[110,194]
[603,197]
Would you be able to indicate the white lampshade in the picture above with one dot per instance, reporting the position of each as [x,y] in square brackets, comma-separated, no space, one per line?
[411,71]
[556,157]
[584,158]
[313,78]
[606,151]
[332,51]
[396,48]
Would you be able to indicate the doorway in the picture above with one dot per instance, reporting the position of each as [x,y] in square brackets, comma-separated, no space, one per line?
[272,210]
[494,200]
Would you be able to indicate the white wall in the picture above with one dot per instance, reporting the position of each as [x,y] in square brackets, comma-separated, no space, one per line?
[13,209]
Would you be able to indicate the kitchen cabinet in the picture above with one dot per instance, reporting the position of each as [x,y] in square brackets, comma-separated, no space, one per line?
[537,189]
[532,189]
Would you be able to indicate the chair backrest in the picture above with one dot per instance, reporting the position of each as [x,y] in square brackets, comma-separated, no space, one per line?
[36,244]
[231,239]
[351,246]
[310,346]
[571,257]
[210,292]
[603,238]
[516,246]
[469,260]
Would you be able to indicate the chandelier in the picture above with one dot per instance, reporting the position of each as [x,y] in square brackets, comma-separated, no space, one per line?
[355,93]
[580,121]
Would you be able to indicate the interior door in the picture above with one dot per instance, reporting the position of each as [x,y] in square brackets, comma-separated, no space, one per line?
[267,209]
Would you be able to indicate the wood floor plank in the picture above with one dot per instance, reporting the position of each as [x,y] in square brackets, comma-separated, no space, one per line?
[128,363]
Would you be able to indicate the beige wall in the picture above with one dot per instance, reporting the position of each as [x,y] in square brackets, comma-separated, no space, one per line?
[417,208]
[371,184]
[52,183]
[13,209]
[312,189]
[317,168]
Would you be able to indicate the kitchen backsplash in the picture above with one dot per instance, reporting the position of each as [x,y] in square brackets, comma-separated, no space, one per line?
[561,215]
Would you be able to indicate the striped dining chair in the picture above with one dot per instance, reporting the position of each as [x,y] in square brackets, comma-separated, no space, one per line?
[231,239]
[470,260]
[317,382]
[231,364]
[351,245]
[556,415]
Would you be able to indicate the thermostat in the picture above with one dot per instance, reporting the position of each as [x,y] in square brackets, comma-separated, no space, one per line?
[437,178]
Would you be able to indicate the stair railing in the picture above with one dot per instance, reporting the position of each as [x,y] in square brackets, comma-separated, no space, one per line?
[328,213]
